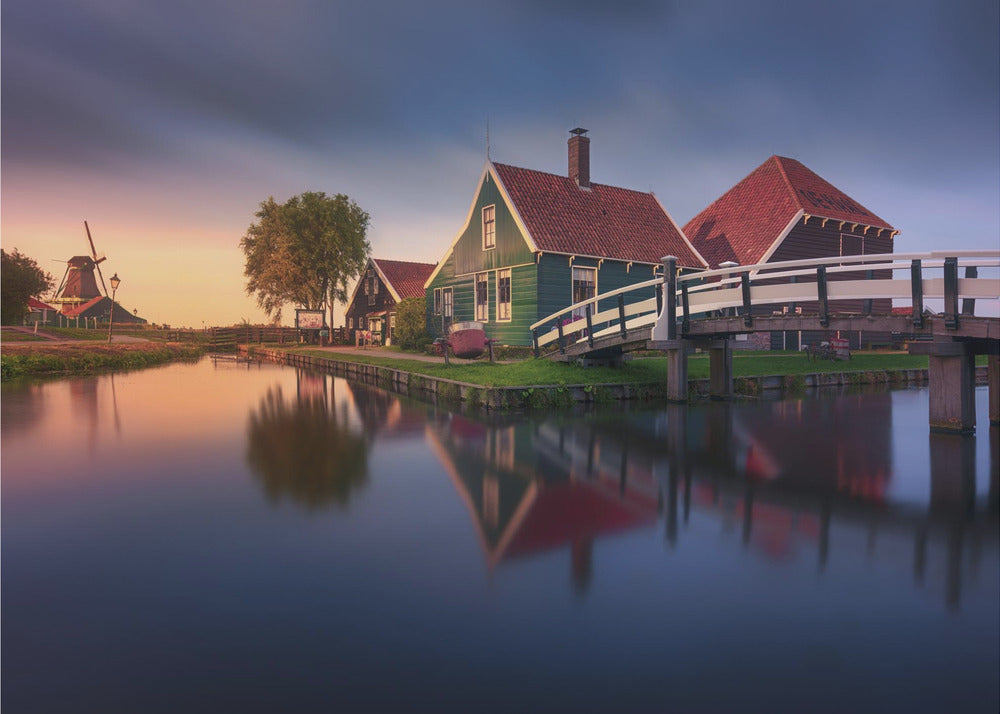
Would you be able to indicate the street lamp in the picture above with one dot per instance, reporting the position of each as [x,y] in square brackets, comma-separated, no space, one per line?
[115,282]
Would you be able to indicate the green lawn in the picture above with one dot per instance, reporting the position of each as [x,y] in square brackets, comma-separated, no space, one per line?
[638,371]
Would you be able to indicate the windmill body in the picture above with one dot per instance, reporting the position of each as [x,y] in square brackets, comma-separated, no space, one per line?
[79,284]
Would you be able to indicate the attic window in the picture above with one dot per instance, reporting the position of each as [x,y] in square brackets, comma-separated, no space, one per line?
[489,227]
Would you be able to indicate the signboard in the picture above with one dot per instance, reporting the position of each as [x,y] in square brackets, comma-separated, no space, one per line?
[309,319]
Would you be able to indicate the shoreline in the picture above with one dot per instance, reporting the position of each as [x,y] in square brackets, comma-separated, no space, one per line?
[538,396]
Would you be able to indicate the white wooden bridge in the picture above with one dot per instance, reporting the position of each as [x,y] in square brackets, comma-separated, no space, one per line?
[707,309]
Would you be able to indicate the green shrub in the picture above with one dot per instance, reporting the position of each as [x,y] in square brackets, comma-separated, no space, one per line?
[411,324]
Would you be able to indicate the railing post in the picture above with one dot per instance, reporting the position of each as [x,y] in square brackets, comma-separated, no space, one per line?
[917,293]
[534,341]
[686,309]
[867,305]
[791,308]
[562,339]
[670,294]
[590,328]
[824,306]
[621,315]
[659,299]
[969,304]
[745,287]
[951,293]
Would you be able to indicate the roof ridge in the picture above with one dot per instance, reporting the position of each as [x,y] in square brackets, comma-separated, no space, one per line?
[784,174]
[567,178]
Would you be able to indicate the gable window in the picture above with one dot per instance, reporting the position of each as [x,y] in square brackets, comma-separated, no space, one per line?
[503,294]
[371,289]
[437,301]
[350,322]
[584,288]
[489,227]
[447,296]
[482,297]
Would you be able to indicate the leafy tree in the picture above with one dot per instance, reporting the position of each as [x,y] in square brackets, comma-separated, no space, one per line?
[305,251]
[21,279]
[411,323]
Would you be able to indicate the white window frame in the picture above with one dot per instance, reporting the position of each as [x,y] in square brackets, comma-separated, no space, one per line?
[490,227]
[482,309]
[581,312]
[350,323]
[437,301]
[448,302]
[501,317]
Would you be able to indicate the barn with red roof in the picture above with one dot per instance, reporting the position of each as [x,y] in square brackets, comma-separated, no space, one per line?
[784,211]
[535,242]
[383,285]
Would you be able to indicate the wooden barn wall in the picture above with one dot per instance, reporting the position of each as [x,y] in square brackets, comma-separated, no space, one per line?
[813,241]
[359,307]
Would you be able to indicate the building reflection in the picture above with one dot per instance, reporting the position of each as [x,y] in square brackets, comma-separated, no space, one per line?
[783,479]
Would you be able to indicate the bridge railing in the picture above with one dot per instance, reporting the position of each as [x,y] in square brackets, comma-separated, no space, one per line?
[815,281]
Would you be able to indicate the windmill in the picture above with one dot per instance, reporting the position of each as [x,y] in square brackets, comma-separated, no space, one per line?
[79,284]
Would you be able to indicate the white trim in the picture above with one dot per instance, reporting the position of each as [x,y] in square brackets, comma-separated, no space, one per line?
[450,290]
[680,232]
[488,170]
[510,304]
[781,236]
[385,280]
[492,207]
[475,296]
[438,304]
[572,268]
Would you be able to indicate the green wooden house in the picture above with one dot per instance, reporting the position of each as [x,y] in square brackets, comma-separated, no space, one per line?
[534,243]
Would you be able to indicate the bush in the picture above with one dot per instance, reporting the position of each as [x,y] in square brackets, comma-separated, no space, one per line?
[411,323]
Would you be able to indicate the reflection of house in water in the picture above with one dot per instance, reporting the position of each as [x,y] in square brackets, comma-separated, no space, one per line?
[759,470]
[527,494]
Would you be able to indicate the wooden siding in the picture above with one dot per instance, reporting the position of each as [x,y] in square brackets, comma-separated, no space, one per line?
[359,309]
[814,241]
[555,281]
[524,302]
[511,246]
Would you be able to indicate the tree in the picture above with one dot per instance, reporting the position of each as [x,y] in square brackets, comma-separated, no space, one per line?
[411,323]
[21,279]
[305,251]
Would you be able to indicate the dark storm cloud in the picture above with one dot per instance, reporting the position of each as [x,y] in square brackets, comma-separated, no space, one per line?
[914,82]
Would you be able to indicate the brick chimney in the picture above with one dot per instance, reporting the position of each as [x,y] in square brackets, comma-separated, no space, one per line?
[579,157]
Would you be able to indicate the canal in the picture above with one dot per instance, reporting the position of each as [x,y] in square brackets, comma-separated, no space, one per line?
[225,536]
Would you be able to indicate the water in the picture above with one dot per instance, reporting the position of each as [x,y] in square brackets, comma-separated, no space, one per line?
[232,537]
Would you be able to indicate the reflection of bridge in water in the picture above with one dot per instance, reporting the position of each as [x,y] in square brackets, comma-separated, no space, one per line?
[763,472]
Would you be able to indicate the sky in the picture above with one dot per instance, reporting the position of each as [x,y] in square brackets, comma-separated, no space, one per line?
[165,125]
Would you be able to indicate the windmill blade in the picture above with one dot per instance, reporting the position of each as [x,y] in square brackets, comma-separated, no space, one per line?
[61,283]
[101,276]
[97,261]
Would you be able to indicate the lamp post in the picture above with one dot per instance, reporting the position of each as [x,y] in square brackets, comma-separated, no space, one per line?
[115,282]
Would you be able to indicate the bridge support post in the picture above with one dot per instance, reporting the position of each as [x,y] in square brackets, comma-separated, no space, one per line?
[720,376]
[677,370]
[993,370]
[951,372]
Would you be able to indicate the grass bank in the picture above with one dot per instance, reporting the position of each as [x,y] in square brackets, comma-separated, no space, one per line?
[651,370]
[38,359]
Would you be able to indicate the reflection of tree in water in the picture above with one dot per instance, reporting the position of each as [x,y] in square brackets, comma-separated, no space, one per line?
[304,452]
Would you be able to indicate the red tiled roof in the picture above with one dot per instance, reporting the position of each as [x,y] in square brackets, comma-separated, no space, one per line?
[78,310]
[35,304]
[407,279]
[604,221]
[746,220]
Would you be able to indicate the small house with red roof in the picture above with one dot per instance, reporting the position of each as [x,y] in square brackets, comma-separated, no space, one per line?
[535,242]
[383,285]
[784,211]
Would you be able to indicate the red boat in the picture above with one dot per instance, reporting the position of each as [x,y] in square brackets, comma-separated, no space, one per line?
[468,339]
